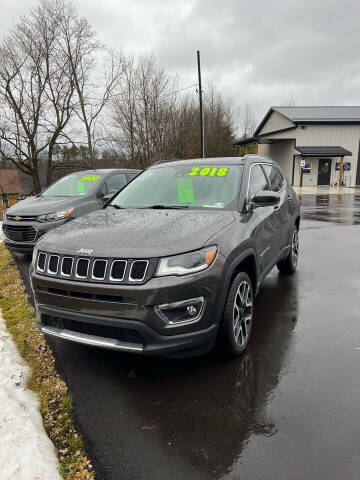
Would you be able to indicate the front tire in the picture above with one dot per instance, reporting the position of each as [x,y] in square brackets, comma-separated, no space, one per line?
[289,265]
[236,325]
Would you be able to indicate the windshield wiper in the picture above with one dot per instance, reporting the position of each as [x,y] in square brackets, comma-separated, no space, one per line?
[160,207]
[115,206]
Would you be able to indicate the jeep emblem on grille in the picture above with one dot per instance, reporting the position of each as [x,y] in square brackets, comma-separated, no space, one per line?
[85,251]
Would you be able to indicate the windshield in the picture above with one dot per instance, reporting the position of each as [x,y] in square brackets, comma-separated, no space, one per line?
[73,185]
[190,186]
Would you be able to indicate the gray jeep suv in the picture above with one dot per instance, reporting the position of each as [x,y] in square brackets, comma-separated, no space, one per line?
[173,262]
[68,198]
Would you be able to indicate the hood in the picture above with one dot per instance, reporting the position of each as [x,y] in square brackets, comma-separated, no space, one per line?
[137,233]
[34,206]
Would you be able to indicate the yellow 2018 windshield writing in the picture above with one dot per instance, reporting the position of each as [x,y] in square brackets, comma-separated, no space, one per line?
[89,178]
[208,172]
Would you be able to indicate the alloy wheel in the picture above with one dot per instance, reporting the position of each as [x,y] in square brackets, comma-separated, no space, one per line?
[295,247]
[242,313]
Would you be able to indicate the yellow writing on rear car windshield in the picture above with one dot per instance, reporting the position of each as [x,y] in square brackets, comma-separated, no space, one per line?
[208,172]
[89,178]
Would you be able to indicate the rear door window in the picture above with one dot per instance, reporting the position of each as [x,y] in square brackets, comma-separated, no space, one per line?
[132,175]
[115,182]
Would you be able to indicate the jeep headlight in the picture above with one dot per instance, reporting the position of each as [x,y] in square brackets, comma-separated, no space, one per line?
[50,217]
[187,263]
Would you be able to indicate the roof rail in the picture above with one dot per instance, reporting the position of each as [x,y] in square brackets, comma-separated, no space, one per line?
[160,161]
[256,155]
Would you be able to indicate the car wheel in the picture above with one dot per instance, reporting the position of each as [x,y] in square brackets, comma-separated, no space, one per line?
[237,318]
[290,263]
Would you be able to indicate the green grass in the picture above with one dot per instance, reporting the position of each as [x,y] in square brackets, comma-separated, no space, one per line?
[55,402]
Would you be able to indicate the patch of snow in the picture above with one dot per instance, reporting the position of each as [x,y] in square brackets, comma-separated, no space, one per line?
[26,452]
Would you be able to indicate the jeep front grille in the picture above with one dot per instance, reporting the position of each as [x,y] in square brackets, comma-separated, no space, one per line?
[138,270]
[53,264]
[118,268]
[66,266]
[101,270]
[41,261]
[82,267]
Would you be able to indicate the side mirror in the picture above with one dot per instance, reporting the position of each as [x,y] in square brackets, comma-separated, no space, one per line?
[265,199]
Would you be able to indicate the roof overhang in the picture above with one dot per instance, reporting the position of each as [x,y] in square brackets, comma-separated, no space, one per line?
[263,137]
[323,151]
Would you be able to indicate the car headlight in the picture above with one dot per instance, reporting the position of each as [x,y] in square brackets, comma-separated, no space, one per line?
[187,263]
[50,217]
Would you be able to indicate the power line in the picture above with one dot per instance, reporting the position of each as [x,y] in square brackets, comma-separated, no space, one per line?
[181,90]
[164,95]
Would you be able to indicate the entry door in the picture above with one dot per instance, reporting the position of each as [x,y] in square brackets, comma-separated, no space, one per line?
[324,172]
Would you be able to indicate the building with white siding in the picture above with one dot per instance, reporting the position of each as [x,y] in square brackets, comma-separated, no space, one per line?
[312,144]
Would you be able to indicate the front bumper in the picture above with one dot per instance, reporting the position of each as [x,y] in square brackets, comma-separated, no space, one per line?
[28,246]
[131,310]
[176,346]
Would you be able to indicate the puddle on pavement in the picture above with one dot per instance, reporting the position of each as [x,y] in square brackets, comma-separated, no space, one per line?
[342,209]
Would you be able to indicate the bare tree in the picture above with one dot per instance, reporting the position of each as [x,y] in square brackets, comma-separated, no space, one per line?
[153,120]
[142,109]
[36,90]
[93,93]
[291,102]
[248,122]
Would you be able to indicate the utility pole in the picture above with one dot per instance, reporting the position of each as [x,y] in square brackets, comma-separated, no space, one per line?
[202,147]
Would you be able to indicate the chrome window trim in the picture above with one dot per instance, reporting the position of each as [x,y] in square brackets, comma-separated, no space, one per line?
[145,272]
[72,265]
[48,264]
[87,271]
[92,270]
[117,279]
[37,262]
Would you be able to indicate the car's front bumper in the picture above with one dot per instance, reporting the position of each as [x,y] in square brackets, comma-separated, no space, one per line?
[62,300]
[181,345]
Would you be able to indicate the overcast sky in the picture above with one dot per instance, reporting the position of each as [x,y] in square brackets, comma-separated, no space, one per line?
[261,52]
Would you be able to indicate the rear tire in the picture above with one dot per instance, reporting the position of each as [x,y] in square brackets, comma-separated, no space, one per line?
[236,325]
[289,265]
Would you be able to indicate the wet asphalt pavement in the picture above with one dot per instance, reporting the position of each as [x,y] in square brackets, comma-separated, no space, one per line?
[289,408]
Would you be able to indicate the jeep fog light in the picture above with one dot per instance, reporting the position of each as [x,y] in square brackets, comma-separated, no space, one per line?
[178,313]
